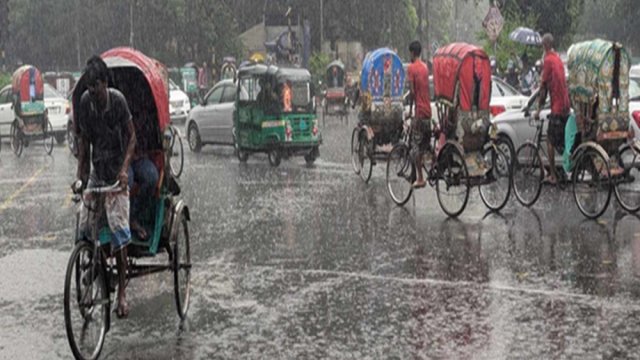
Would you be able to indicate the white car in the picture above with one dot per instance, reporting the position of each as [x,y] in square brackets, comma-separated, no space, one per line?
[179,104]
[634,104]
[57,107]
[212,121]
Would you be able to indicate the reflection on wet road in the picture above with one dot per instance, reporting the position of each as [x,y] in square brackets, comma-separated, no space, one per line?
[311,263]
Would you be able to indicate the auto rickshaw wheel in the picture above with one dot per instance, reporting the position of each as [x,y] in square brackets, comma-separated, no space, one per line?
[17,143]
[48,137]
[274,157]
[243,156]
[182,265]
[311,157]
[195,142]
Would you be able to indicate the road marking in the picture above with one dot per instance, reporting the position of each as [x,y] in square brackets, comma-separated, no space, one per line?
[5,204]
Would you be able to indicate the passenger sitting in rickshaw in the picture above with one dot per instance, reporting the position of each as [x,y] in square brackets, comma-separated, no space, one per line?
[268,98]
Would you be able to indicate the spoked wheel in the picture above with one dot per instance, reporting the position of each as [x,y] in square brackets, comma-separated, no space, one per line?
[176,159]
[452,183]
[528,174]
[182,266]
[592,184]
[72,142]
[355,144]
[400,174]
[627,186]
[496,190]
[17,141]
[274,157]
[86,303]
[48,138]
[365,162]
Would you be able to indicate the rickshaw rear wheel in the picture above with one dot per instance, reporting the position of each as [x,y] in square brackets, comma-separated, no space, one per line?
[17,142]
[627,188]
[274,157]
[592,183]
[528,174]
[497,189]
[182,265]
[195,142]
[364,156]
[48,138]
[93,303]
[452,181]
[355,143]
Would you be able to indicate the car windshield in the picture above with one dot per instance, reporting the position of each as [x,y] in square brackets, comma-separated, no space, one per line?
[634,89]
[502,89]
[50,92]
[173,86]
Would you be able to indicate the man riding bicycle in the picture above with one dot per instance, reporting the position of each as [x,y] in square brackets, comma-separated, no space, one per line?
[106,134]
[418,77]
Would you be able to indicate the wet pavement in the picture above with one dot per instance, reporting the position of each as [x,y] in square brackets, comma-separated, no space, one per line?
[311,263]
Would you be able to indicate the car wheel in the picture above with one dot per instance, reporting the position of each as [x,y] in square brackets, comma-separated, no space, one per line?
[195,142]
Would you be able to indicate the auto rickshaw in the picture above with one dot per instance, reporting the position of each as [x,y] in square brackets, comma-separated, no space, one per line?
[380,124]
[31,121]
[274,114]
[91,272]
[335,103]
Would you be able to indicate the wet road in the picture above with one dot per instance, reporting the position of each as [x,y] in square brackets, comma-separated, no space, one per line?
[310,263]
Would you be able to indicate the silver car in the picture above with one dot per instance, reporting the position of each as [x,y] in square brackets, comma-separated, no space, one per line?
[211,122]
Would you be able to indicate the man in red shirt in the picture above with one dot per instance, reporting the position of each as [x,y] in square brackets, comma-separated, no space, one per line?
[554,82]
[418,77]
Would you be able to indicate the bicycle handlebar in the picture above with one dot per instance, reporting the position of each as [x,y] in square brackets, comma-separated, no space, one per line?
[77,188]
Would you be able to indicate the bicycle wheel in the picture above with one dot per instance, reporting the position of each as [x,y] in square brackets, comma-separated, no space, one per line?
[182,266]
[627,187]
[355,163]
[364,156]
[592,184]
[48,138]
[17,142]
[528,174]
[400,174]
[452,182]
[86,303]
[176,159]
[497,189]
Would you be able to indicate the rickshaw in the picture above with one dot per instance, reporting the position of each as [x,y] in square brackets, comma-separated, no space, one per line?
[469,154]
[274,114]
[335,98]
[31,121]
[605,158]
[91,274]
[380,124]
[228,69]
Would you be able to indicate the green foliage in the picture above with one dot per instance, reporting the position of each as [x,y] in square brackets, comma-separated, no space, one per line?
[317,66]
[5,79]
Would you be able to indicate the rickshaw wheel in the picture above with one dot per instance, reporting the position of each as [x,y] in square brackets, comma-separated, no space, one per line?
[497,189]
[182,266]
[193,135]
[274,157]
[592,183]
[72,142]
[355,143]
[48,138]
[452,181]
[528,174]
[400,174]
[627,188]
[85,287]
[17,143]
[176,158]
[365,161]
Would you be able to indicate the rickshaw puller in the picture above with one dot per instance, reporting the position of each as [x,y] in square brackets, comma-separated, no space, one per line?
[554,82]
[104,124]
[418,77]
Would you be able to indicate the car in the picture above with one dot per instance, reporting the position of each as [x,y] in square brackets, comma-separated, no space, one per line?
[57,107]
[179,104]
[211,122]
[634,104]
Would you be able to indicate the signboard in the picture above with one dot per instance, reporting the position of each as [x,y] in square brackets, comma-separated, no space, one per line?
[63,85]
[493,23]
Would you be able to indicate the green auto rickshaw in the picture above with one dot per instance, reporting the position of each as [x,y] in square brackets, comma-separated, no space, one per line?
[275,114]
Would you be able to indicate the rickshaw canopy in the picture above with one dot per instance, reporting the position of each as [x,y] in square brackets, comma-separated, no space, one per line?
[599,68]
[466,69]
[335,74]
[382,75]
[28,91]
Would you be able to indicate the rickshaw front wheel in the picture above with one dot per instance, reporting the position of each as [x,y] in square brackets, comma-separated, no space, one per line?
[182,265]
[17,142]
